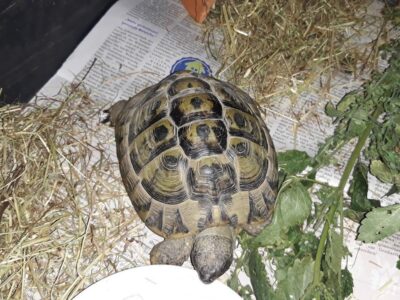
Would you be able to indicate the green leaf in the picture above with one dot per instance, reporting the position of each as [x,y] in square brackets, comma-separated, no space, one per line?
[334,252]
[271,235]
[295,280]
[398,264]
[331,110]
[356,126]
[331,281]
[293,205]
[347,101]
[383,173]
[347,283]
[245,293]
[233,282]
[258,277]
[307,245]
[281,259]
[327,194]
[293,161]
[380,223]
[359,189]
[385,140]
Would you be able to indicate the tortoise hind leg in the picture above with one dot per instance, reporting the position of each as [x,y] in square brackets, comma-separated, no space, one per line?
[254,229]
[172,251]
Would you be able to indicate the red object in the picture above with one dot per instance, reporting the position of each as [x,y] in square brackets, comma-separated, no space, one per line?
[198,9]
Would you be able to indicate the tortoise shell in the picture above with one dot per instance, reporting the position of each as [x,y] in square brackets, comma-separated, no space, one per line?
[194,152]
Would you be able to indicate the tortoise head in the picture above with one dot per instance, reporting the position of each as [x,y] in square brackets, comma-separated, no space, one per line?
[212,252]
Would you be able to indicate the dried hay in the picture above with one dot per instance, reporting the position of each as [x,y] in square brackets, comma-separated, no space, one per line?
[279,47]
[64,219]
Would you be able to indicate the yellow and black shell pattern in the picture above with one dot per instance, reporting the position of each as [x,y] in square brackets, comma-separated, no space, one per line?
[194,152]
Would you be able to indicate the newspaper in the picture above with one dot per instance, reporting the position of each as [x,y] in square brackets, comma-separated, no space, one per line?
[134,46]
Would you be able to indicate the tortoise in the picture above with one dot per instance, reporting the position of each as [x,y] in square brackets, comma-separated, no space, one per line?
[199,166]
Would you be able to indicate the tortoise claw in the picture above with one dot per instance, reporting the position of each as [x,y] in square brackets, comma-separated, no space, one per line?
[107,117]
[105,120]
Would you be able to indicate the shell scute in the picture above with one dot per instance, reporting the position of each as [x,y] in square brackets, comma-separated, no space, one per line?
[147,145]
[233,97]
[211,179]
[252,163]
[152,112]
[140,200]
[197,106]
[187,83]
[244,125]
[203,138]
[162,179]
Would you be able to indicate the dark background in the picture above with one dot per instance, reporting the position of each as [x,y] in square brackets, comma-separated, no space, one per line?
[36,36]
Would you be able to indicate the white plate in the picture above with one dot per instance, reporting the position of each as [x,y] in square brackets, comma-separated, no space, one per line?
[154,283]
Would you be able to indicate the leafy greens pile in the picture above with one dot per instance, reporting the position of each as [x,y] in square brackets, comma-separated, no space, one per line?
[306,265]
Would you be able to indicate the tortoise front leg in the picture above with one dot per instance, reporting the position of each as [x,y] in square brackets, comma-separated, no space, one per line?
[172,251]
